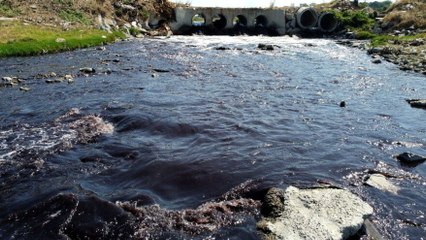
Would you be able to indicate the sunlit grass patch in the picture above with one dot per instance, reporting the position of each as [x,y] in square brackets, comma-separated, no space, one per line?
[17,39]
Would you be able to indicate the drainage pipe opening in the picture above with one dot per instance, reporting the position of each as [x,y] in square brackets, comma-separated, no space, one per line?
[307,18]
[261,21]
[327,22]
[198,20]
[219,21]
[239,21]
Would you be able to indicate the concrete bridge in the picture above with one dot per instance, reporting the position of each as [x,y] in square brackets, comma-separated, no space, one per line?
[229,21]
[252,21]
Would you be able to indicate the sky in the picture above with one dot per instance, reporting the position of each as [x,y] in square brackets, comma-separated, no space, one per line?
[252,3]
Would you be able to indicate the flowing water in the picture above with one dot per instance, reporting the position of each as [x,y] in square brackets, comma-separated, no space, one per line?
[171,128]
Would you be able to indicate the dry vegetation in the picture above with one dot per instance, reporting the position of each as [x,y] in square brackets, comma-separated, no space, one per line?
[83,12]
[406,13]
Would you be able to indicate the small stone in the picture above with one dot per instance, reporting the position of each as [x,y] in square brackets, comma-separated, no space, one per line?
[68,77]
[154,75]
[342,104]
[418,103]
[70,81]
[379,181]
[376,60]
[266,47]
[52,74]
[116,60]
[87,70]
[60,40]
[58,80]
[409,158]
[50,81]
[24,89]
[101,48]
[222,48]
[7,79]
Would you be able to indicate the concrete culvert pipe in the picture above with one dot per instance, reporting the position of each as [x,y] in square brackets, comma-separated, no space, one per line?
[327,22]
[306,18]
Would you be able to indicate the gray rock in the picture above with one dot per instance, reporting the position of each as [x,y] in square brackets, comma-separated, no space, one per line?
[266,47]
[418,103]
[60,40]
[375,50]
[409,158]
[87,70]
[24,89]
[322,213]
[7,79]
[372,231]
[379,181]
[376,60]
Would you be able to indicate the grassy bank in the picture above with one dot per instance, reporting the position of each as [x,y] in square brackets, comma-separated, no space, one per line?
[383,39]
[18,39]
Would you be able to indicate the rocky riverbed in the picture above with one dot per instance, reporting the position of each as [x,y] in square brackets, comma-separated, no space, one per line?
[183,138]
[408,55]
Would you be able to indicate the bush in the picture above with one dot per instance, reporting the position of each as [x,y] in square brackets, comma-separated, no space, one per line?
[72,15]
[355,19]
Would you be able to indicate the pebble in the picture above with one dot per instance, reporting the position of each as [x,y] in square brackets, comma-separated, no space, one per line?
[376,60]
[87,70]
[24,89]
[380,182]
[266,47]
[342,104]
[7,79]
[418,103]
[60,40]
[410,158]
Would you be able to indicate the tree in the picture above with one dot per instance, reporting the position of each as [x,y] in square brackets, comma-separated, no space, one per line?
[356,3]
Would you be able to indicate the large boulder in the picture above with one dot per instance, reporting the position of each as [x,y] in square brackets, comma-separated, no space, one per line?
[321,213]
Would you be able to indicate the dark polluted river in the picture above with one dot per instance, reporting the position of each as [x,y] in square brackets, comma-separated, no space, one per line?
[170,132]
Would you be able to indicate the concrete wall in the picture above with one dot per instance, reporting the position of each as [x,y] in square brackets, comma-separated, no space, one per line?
[275,18]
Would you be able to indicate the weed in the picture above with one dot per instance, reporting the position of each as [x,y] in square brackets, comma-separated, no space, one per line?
[7,11]
[17,39]
[72,15]
[355,19]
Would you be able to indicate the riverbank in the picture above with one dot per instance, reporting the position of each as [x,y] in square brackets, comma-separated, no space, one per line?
[20,39]
[41,27]
[408,52]
[396,35]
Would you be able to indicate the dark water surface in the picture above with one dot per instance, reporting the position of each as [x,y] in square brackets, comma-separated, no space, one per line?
[207,122]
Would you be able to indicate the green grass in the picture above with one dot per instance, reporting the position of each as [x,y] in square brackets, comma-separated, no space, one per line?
[354,19]
[381,40]
[72,15]
[17,39]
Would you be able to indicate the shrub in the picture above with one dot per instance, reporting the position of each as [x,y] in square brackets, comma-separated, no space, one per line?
[355,19]
[72,15]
